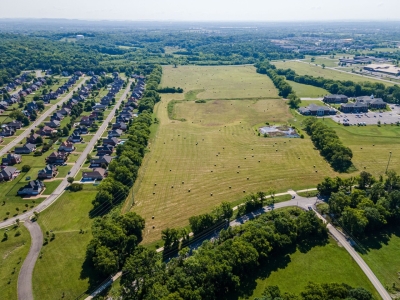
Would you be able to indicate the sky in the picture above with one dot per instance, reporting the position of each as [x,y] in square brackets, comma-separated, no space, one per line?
[203,10]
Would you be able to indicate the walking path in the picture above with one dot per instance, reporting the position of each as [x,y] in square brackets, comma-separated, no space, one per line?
[25,291]
[39,120]
[25,274]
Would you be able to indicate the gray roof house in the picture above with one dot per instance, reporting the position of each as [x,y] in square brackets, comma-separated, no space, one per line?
[25,149]
[34,187]
[8,173]
[336,99]
[316,110]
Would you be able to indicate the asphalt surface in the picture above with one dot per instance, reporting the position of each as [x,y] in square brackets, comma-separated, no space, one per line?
[39,120]
[370,118]
[25,274]
[25,291]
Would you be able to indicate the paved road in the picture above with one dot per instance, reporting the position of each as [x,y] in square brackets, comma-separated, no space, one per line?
[38,121]
[356,74]
[25,291]
[74,170]
[25,274]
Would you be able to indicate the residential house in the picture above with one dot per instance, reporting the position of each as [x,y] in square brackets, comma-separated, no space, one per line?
[66,146]
[3,105]
[32,138]
[7,131]
[96,174]
[105,150]
[8,173]
[113,141]
[336,99]
[15,124]
[102,161]
[25,149]
[53,124]
[32,188]
[57,117]
[121,125]
[11,159]
[31,106]
[46,131]
[316,110]
[85,121]
[57,158]
[81,130]
[75,138]
[65,111]
[99,107]
[115,133]
[48,172]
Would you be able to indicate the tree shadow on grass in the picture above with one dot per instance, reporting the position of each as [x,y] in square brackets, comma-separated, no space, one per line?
[275,262]
[376,239]
[89,273]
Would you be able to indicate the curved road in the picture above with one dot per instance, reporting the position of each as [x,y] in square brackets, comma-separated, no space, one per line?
[303,203]
[25,274]
[25,291]
[39,120]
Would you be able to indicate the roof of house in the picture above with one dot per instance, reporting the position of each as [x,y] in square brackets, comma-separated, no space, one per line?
[314,107]
[101,159]
[335,96]
[67,144]
[8,171]
[95,173]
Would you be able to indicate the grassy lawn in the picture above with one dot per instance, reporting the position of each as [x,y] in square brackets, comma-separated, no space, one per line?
[305,103]
[382,255]
[60,269]
[51,186]
[12,254]
[72,158]
[79,147]
[222,82]
[305,90]
[205,151]
[63,171]
[370,145]
[321,264]
[329,62]
[309,69]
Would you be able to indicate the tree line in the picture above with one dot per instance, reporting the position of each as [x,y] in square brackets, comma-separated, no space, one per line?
[371,205]
[116,236]
[168,89]
[219,269]
[318,291]
[329,145]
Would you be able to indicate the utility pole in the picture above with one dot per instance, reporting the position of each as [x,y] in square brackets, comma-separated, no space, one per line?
[390,156]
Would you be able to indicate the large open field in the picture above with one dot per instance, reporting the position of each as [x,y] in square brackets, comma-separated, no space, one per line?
[225,82]
[322,264]
[305,90]
[302,68]
[60,270]
[203,155]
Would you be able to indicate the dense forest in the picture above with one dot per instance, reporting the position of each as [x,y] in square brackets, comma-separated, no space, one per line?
[364,210]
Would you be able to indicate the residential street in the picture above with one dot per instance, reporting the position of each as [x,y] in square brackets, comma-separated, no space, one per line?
[25,274]
[25,291]
[39,120]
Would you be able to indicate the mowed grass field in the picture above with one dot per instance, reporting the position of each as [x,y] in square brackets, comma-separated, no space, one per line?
[302,68]
[322,264]
[382,256]
[217,148]
[305,90]
[60,270]
[12,254]
[222,82]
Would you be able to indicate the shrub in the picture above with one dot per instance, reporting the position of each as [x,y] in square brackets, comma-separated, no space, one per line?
[25,168]
[75,187]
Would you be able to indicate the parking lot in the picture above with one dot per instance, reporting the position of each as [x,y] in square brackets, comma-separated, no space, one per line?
[370,118]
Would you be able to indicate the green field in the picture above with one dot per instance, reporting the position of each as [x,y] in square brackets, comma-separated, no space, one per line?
[305,90]
[12,254]
[381,253]
[322,264]
[226,82]
[60,268]
[309,69]
[328,62]
[226,137]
